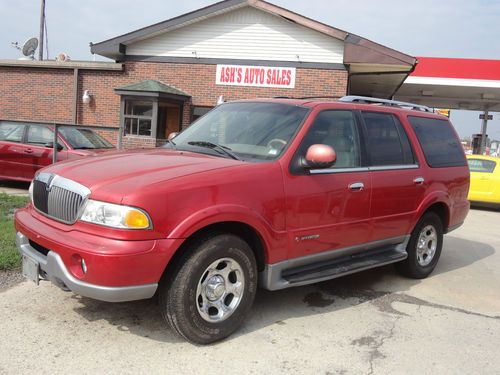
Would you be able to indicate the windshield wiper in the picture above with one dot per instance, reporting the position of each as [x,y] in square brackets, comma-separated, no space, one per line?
[214,146]
[171,143]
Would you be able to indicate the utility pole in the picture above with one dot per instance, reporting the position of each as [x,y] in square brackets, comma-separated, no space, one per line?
[42,28]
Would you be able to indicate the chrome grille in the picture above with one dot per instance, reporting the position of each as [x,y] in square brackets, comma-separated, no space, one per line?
[58,197]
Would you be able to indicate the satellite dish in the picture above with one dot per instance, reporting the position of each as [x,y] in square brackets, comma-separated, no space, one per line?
[29,48]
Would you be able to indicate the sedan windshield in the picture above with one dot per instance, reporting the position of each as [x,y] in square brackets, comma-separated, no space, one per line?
[84,139]
[245,130]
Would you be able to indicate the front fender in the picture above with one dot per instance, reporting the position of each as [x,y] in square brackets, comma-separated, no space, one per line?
[274,241]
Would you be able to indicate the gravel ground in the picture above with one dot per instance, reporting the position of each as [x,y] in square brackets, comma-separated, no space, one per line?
[8,279]
[375,322]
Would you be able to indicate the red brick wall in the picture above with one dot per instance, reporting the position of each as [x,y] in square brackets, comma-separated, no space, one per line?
[36,94]
[47,94]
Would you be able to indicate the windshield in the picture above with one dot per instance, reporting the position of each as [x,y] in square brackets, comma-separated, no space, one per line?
[83,139]
[249,130]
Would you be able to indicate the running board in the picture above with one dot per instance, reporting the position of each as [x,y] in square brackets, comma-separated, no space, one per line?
[341,267]
[332,264]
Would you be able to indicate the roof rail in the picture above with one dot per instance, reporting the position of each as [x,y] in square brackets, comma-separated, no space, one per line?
[392,103]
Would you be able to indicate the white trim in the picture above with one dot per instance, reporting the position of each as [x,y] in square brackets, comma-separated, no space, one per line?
[462,82]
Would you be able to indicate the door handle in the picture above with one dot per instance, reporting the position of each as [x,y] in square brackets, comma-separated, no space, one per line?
[28,151]
[419,180]
[356,186]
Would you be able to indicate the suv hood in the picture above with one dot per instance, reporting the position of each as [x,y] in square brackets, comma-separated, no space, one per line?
[119,173]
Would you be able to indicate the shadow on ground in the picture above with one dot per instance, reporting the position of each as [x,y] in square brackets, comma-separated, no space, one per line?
[143,318]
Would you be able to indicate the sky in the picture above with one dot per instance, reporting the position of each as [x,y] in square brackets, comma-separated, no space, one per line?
[445,28]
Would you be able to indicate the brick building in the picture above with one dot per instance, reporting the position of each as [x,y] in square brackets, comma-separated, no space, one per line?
[166,75]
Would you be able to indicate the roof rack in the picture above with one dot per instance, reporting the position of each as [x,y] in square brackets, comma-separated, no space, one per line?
[392,103]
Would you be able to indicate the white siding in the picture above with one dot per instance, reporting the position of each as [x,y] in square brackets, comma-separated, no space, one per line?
[246,33]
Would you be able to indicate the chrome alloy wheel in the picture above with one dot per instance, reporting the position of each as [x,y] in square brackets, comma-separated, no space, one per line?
[426,245]
[220,290]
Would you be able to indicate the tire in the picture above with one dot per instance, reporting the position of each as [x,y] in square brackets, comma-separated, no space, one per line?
[422,259]
[211,291]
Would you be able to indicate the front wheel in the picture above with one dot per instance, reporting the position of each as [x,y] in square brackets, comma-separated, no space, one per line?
[212,290]
[424,247]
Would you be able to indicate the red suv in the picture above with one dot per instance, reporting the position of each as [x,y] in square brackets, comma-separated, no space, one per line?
[276,193]
[27,147]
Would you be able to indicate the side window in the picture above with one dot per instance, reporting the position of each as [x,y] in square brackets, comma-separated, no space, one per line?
[338,130]
[387,142]
[480,165]
[439,142]
[11,132]
[39,135]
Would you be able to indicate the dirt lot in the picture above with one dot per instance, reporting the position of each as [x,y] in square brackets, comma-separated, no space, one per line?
[371,323]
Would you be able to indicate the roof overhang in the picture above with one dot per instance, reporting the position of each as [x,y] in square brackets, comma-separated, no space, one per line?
[375,70]
[454,83]
[153,89]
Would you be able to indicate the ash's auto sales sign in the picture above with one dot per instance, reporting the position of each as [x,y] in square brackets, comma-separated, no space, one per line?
[258,76]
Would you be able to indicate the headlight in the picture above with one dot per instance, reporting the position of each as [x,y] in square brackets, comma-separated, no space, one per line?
[114,215]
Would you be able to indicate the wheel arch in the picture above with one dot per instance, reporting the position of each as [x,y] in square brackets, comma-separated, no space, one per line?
[442,210]
[240,229]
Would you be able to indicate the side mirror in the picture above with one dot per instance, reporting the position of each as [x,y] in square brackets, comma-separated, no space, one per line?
[320,156]
[51,145]
[172,135]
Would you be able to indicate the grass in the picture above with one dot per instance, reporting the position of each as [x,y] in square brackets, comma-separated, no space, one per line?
[9,257]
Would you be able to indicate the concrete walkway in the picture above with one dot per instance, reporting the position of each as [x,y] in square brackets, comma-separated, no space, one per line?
[14,188]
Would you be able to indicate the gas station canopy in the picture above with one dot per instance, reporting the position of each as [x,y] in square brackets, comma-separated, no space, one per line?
[469,84]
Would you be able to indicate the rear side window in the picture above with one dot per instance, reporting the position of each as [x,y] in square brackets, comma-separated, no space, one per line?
[11,132]
[438,141]
[387,142]
[480,165]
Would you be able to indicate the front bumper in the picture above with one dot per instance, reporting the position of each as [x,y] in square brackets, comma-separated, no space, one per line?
[53,269]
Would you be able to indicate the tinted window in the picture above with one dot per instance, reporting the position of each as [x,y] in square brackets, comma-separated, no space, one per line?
[11,132]
[438,141]
[387,142]
[39,135]
[479,165]
[336,129]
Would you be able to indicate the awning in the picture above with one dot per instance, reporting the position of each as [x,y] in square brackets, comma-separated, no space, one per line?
[471,84]
[151,88]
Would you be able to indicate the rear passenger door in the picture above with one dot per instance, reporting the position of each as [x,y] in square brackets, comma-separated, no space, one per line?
[398,185]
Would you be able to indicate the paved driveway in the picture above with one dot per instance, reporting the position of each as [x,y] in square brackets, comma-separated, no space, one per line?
[371,323]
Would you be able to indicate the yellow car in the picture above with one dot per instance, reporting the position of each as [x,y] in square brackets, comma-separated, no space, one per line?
[484,179]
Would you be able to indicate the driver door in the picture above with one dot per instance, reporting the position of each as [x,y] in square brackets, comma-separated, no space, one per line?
[328,209]
[38,155]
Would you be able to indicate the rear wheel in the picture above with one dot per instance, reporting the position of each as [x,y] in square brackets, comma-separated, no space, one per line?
[212,290]
[424,247]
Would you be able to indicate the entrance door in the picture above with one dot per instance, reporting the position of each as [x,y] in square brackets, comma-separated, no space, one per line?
[169,119]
